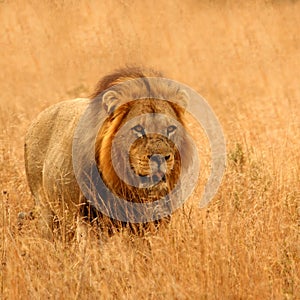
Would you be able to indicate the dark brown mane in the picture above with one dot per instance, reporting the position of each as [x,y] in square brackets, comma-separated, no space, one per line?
[122,75]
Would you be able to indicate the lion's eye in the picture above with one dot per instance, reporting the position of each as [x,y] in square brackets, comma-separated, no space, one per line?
[171,129]
[139,130]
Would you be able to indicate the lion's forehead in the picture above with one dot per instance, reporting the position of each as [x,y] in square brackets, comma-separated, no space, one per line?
[155,123]
[151,106]
[153,116]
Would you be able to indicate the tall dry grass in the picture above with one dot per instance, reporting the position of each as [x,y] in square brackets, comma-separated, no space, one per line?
[245,59]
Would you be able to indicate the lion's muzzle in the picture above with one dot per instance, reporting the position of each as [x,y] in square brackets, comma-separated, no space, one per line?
[158,166]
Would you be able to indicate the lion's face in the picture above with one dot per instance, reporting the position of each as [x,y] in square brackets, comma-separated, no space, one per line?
[152,130]
[139,147]
[145,159]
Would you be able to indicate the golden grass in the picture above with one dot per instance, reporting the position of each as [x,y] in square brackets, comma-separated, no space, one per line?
[245,59]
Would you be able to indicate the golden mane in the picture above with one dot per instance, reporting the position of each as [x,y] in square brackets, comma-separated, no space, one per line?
[114,122]
[122,75]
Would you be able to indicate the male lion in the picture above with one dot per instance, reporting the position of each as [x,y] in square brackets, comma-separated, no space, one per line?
[152,144]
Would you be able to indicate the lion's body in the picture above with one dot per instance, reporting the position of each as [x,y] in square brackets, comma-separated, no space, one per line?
[48,159]
[48,151]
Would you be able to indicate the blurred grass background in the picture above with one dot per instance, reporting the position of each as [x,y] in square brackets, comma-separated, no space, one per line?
[244,58]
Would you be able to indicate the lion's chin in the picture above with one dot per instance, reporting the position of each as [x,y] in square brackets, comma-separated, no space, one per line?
[155,192]
[154,186]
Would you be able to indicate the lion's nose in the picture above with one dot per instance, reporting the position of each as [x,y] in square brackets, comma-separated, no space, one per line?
[157,158]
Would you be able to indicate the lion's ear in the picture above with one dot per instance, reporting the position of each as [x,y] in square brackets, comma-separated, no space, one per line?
[110,100]
[182,99]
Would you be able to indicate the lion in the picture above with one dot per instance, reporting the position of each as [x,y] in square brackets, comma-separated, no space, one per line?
[143,136]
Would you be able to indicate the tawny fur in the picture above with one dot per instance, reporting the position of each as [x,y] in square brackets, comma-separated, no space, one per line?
[48,148]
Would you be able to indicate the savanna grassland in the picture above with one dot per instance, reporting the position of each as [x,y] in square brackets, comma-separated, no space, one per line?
[244,58]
